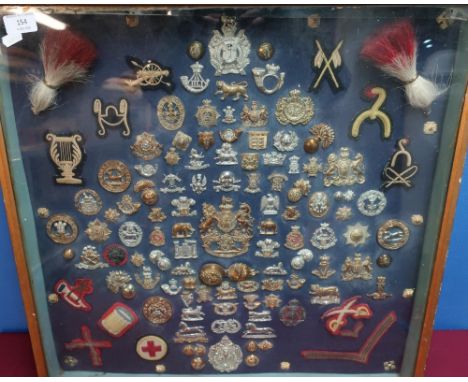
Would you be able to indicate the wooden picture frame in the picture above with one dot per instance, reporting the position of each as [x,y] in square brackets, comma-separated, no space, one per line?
[443,203]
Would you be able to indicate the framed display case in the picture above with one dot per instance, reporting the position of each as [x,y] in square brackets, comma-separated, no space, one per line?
[199,190]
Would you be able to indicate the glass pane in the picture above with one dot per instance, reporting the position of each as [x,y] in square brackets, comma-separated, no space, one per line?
[230,190]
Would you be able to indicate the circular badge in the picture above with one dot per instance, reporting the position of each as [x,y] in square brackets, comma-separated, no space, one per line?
[371,203]
[323,237]
[211,274]
[196,50]
[88,202]
[384,260]
[130,234]
[306,254]
[252,360]
[151,348]
[393,234]
[157,310]
[115,255]
[265,50]
[114,176]
[292,314]
[285,140]
[62,229]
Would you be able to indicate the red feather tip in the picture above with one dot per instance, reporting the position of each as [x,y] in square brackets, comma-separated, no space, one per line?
[368,92]
[61,47]
[390,42]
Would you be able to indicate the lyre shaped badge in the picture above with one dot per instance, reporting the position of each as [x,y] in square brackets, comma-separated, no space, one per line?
[327,65]
[67,154]
[111,117]
[374,113]
[400,168]
[150,74]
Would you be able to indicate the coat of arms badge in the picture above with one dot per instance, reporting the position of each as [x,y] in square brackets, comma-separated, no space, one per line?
[226,233]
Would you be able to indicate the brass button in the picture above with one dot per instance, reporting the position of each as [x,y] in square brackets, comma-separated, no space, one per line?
[252,360]
[211,274]
[157,310]
[265,50]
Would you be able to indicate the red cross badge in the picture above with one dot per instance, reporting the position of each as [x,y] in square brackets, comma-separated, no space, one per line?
[337,318]
[151,348]
[75,294]
[118,319]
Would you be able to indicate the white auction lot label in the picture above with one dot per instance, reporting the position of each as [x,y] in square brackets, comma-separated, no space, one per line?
[21,23]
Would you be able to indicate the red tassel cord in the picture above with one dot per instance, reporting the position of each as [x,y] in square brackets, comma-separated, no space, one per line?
[66,57]
[393,49]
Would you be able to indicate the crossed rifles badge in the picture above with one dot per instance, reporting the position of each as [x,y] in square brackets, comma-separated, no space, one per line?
[326,66]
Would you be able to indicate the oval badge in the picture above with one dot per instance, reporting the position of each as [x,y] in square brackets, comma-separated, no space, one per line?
[318,204]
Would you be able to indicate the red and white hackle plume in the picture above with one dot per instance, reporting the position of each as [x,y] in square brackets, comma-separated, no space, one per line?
[393,49]
[66,57]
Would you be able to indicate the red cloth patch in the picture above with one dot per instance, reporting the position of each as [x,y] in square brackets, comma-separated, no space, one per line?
[75,294]
[118,319]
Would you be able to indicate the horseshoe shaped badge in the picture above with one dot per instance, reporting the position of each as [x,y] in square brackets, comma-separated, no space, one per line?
[111,117]
[374,113]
